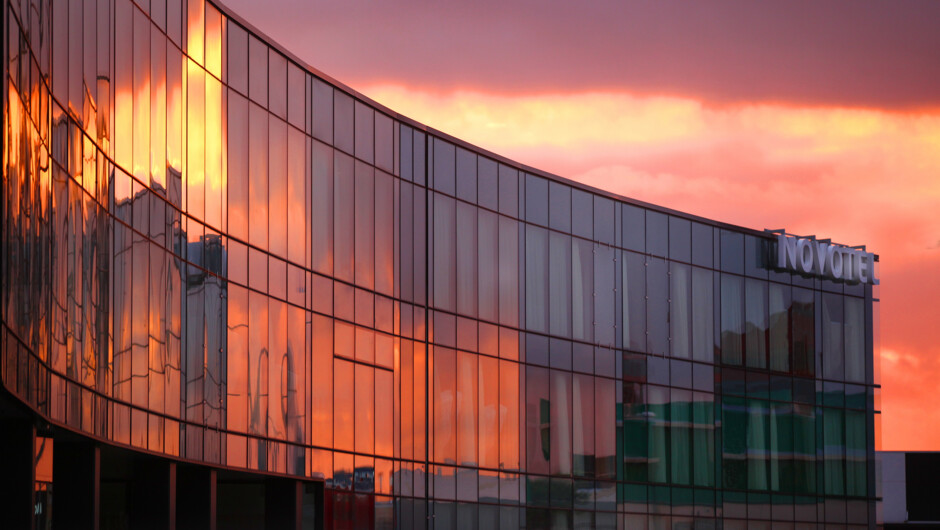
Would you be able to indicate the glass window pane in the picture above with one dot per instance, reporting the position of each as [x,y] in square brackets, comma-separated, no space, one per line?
[657,306]
[559,284]
[445,252]
[758,444]
[680,438]
[297,197]
[703,439]
[384,416]
[194,40]
[856,451]
[658,417]
[488,185]
[633,233]
[258,176]
[195,145]
[703,315]
[582,214]
[466,259]
[343,216]
[343,405]
[605,423]
[732,252]
[365,126]
[257,71]
[804,334]
[604,220]
[680,239]
[343,122]
[779,311]
[833,427]
[419,145]
[258,364]
[488,263]
[732,319]
[238,360]
[536,200]
[322,208]
[680,309]
[635,412]
[277,90]
[489,412]
[604,290]
[277,369]
[703,245]
[321,384]
[804,449]
[538,421]
[237,151]
[756,252]
[365,225]
[322,111]
[508,191]
[536,279]
[237,56]
[833,354]
[466,175]
[582,442]
[384,142]
[756,325]
[781,447]
[509,420]
[214,151]
[508,272]
[559,206]
[560,417]
[384,233]
[365,408]
[657,233]
[444,405]
[467,419]
[277,187]
[854,339]
[296,96]
[734,442]
[634,301]
[444,167]
[582,289]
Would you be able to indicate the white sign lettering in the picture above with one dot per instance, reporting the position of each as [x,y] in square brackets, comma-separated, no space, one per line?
[808,256]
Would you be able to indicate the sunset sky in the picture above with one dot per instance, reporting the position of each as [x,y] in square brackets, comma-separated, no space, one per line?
[818,117]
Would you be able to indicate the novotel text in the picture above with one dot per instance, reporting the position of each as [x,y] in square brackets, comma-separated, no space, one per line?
[809,256]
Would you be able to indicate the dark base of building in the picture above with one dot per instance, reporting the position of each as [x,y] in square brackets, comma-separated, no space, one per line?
[99,486]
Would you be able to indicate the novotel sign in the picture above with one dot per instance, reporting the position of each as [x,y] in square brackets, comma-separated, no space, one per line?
[820,258]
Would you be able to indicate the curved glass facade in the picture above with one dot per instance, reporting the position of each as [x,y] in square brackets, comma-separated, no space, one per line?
[215,253]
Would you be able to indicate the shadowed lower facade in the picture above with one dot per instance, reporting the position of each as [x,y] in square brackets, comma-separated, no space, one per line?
[236,293]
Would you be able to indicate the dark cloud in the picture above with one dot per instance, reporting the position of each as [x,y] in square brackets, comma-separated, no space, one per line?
[833,52]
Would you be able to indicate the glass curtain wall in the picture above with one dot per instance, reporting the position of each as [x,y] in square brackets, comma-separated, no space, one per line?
[214,252]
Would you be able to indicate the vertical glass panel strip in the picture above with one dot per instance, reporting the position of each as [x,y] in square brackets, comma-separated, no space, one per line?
[195,141]
[195,34]
[214,175]
[365,225]
[158,75]
[277,186]
[703,315]
[213,49]
[258,176]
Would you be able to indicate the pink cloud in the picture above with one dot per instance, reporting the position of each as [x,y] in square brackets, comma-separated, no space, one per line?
[880,54]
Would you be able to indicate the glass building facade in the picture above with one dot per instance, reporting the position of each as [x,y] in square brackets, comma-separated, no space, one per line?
[215,253]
